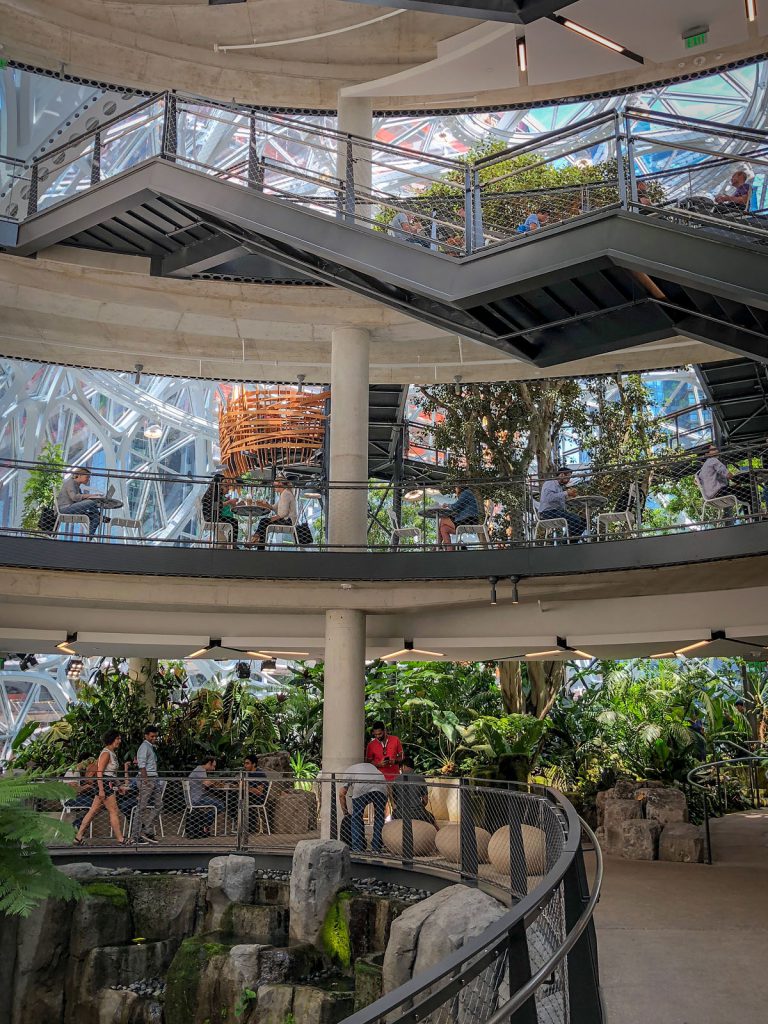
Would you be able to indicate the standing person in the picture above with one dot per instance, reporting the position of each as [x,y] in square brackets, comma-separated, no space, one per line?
[554,494]
[385,752]
[150,788]
[74,501]
[283,511]
[107,786]
[365,785]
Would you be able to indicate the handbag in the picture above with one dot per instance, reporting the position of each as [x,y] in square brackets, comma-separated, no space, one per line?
[304,534]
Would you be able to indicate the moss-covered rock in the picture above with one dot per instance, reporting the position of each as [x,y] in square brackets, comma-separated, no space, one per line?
[335,938]
[116,894]
[185,974]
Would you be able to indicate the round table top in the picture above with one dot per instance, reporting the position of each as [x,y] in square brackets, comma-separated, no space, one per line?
[246,508]
[108,502]
[435,510]
[588,499]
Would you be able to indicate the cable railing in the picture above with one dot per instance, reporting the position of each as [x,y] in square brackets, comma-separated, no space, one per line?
[522,843]
[587,503]
[677,170]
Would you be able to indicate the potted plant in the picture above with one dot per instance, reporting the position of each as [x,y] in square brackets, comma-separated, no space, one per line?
[40,490]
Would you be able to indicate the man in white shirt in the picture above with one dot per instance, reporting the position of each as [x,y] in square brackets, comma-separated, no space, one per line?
[150,788]
[283,511]
[364,785]
[715,479]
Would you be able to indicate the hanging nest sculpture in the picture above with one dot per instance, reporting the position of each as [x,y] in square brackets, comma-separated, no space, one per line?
[272,427]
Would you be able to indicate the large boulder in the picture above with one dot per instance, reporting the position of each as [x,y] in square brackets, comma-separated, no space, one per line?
[681,842]
[424,835]
[429,931]
[42,952]
[534,847]
[256,924]
[641,839]
[294,812]
[611,840]
[666,805]
[616,812]
[110,966]
[321,870]
[128,1008]
[101,918]
[277,761]
[180,897]
[280,1003]
[231,879]
[448,843]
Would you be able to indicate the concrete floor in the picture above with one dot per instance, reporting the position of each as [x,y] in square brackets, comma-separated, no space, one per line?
[688,943]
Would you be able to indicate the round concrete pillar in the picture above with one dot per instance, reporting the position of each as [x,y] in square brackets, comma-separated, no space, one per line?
[355,116]
[348,463]
[344,699]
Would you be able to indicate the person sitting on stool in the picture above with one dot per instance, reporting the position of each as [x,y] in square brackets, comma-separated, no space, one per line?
[283,512]
[463,510]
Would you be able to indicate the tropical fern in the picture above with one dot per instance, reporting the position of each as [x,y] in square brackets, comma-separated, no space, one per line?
[27,874]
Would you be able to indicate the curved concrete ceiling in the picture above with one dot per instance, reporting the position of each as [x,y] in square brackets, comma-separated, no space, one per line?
[75,307]
[408,61]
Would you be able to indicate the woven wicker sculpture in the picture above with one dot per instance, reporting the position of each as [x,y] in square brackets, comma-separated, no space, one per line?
[272,427]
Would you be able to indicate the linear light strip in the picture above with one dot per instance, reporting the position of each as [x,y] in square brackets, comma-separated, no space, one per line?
[595,37]
[522,54]
[751,6]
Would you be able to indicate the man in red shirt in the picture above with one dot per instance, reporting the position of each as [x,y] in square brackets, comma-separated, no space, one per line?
[384,751]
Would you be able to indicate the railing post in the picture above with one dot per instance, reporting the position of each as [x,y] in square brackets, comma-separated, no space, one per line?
[519,972]
[631,159]
[243,815]
[334,815]
[32,197]
[170,128]
[620,169]
[467,835]
[583,972]
[707,836]
[468,215]
[254,164]
[518,871]
[477,219]
[96,160]
[349,182]
[407,860]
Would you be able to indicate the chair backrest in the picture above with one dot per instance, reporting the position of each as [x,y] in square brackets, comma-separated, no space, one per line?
[697,481]
[187,794]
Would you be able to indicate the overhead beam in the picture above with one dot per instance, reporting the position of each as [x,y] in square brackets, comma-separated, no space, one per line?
[199,257]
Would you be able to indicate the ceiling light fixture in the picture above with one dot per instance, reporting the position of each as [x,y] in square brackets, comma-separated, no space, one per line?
[693,647]
[595,37]
[66,645]
[412,495]
[493,580]
[278,654]
[204,650]
[301,378]
[153,431]
[408,648]
[562,648]
[138,367]
[522,54]
[515,595]
[751,6]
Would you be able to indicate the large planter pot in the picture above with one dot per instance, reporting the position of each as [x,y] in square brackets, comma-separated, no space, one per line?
[438,797]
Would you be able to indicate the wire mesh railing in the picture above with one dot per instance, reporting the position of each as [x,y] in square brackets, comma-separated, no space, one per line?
[520,842]
[685,490]
[679,170]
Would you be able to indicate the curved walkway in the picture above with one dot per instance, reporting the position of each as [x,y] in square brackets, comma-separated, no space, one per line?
[685,943]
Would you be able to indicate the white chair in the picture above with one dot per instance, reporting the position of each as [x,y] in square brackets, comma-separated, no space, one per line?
[220,533]
[67,808]
[550,527]
[401,533]
[70,522]
[624,520]
[277,535]
[129,818]
[477,531]
[189,807]
[725,506]
[261,811]
[130,529]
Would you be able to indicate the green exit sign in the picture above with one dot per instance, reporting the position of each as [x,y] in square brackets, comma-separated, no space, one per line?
[697,38]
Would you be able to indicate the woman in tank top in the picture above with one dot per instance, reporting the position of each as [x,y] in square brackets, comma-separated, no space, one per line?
[107,789]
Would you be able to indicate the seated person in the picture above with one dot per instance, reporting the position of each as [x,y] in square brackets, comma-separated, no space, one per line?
[82,780]
[257,790]
[200,794]
[736,201]
[74,501]
[463,510]
[716,480]
[410,795]
[217,507]
[533,222]
[554,494]
[282,512]
[365,785]
[406,227]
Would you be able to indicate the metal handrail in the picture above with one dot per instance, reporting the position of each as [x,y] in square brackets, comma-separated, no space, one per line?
[751,761]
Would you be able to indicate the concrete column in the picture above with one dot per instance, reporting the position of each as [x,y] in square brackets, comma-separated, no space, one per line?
[344,700]
[355,116]
[348,509]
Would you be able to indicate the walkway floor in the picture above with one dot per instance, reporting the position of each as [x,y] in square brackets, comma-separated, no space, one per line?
[688,943]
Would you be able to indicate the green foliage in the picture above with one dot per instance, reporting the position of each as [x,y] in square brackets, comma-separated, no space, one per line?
[229,723]
[506,747]
[334,936]
[247,997]
[43,484]
[27,874]
[117,896]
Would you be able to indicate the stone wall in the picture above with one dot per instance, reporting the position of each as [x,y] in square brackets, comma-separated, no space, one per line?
[646,820]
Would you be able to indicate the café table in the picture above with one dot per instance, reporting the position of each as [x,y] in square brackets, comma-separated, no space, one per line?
[588,503]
